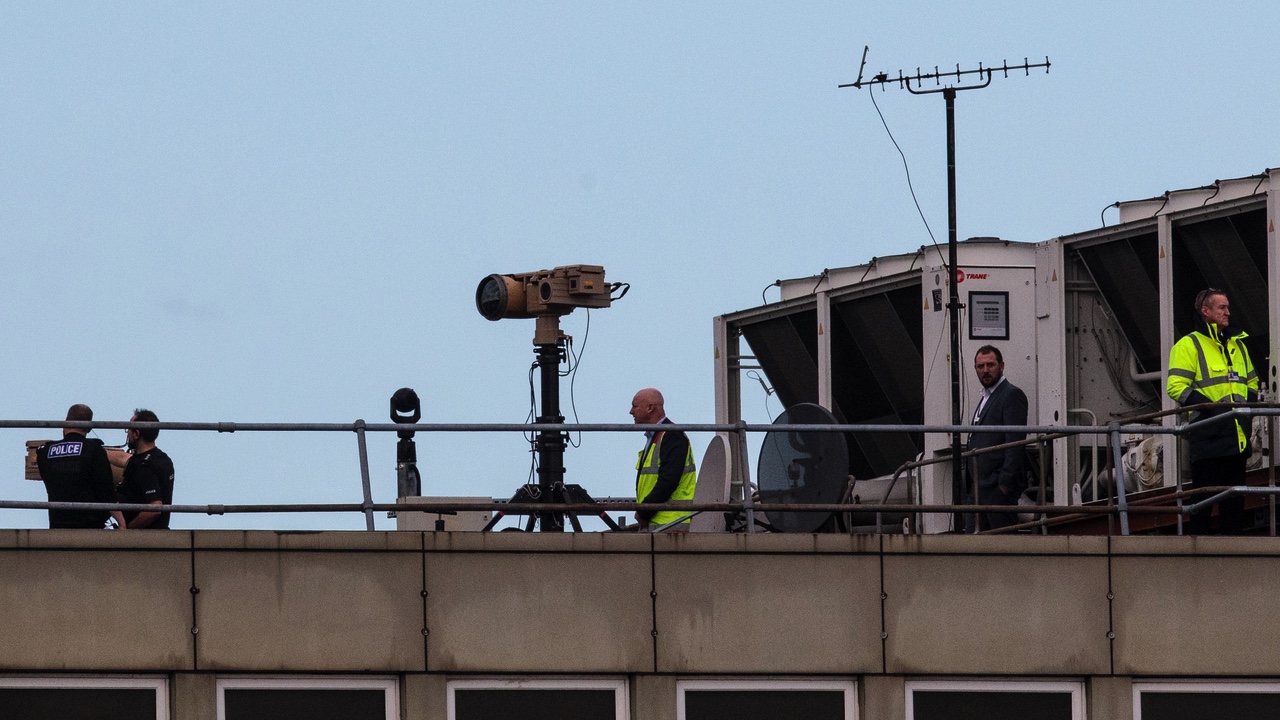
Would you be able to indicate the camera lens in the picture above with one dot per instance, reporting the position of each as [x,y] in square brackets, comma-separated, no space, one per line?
[491,297]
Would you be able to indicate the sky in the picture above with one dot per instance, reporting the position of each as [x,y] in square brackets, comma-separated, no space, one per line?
[279,212]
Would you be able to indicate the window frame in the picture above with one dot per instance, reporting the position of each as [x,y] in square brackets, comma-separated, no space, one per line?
[620,686]
[159,683]
[1199,686]
[389,685]
[764,684]
[1073,687]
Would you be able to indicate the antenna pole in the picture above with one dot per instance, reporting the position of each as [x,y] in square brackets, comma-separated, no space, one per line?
[953,297]
[914,84]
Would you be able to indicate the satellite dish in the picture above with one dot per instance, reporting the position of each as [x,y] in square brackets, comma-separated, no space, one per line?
[713,485]
[802,467]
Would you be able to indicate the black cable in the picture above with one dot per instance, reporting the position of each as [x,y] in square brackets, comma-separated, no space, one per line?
[577,362]
[777,283]
[1103,214]
[1162,205]
[908,171]
[569,364]
[821,277]
[532,438]
[767,392]
[1217,187]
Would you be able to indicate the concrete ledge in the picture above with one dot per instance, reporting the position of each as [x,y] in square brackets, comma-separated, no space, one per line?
[1190,546]
[765,543]
[757,613]
[1207,616]
[522,542]
[1000,614]
[537,613]
[300,540]
[326,611]
[95,539]
[95,610]
[996,544]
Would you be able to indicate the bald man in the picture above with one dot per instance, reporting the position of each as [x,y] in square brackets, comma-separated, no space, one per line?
[664,471]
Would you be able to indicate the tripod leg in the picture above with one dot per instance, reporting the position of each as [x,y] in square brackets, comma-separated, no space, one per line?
[497,516]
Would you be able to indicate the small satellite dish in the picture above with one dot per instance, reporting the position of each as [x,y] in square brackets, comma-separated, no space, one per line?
[802,467]
[713,485]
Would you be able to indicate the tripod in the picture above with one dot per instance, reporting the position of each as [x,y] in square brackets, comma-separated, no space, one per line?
[549,348]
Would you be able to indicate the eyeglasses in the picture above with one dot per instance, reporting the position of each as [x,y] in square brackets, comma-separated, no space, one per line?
[1205,294]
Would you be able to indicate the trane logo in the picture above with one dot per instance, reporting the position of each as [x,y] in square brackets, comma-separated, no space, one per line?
[961,276]
[65,449]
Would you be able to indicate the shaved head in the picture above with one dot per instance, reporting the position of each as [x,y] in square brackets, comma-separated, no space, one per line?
[646,407]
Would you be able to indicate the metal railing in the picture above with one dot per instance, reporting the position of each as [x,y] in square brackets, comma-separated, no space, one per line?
[748,506]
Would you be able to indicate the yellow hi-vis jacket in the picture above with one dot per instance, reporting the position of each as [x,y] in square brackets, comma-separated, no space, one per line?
[1210,366]
[647,477]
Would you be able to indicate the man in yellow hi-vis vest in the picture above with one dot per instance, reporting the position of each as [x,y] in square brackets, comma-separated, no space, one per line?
[664,471]
[1212,365]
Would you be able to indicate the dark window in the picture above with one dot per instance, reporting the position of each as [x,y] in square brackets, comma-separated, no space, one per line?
[990,705]
[764,704]
[1209,705]
[304,704]
[45,703]
[537,704]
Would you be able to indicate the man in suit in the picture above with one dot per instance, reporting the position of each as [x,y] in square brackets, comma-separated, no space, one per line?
[1000,474]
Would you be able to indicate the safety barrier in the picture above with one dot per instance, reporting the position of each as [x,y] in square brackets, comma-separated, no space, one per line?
[748,506]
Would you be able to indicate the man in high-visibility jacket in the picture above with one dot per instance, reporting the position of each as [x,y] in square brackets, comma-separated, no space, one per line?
[664,471]
[1212,365]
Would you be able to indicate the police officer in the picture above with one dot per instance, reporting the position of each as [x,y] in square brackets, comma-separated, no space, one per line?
[1212,365]
[76,469]
[665,471]
[148,474]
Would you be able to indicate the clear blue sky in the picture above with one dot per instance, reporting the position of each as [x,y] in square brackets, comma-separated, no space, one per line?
[279,212]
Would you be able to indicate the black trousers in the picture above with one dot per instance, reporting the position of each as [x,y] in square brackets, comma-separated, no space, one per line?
[991,520]
[1227,470]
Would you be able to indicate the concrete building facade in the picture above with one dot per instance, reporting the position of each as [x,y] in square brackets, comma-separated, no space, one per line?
[223,624]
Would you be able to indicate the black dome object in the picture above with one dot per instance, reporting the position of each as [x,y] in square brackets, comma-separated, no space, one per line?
[810,466]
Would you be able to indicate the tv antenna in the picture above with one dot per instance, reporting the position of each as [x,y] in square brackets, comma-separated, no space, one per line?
[916,85]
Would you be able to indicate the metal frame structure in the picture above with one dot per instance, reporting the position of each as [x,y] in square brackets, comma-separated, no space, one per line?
[1157,222]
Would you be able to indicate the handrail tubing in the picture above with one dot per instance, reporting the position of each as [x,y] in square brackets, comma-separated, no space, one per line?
[527,508]
[367,507]
[1238,410]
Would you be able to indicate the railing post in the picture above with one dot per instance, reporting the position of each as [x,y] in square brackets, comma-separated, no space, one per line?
[1175,463]
[1117,472]
[1271,469]
[364,475]
[748,503]
[1046,451]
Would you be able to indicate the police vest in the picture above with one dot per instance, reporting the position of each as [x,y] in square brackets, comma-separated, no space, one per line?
[1219,369]
[76,469]
[647,478]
